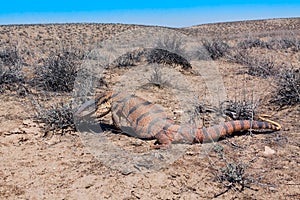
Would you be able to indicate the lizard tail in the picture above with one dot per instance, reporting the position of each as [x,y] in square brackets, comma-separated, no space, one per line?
[213,133]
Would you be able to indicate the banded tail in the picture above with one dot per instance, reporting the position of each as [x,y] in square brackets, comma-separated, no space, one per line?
[213,133]
[189,134]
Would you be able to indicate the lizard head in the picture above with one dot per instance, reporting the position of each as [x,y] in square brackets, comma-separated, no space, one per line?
[99,106]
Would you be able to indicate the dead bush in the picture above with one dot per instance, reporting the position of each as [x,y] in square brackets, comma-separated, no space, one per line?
[162,56]
[256,66]
[288,88]
[10,56]
[239,110]
[285,43]
[11,78]
[157,79]
[172,43]
[56,118]
[216,48]
[252,43]
[59,70]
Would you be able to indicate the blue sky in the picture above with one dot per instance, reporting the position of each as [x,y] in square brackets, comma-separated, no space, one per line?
[154,12]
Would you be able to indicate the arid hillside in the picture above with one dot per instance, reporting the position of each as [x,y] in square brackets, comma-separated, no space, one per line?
[201,75]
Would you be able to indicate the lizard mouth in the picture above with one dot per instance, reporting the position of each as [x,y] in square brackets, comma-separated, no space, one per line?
[86,109]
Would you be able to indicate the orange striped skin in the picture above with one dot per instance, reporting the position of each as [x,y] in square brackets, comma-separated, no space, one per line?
[140,118]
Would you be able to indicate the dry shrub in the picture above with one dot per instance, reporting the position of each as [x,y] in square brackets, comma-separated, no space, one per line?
[56,118]
[172,43]
[156,79]
[11,76]
[288,88]
[162,56]
[129,59]
[152,56]
[216,48]
[59,70]
[10,56]
[239,110]
[285,43]
[232,175]
[252,43]
[256,66]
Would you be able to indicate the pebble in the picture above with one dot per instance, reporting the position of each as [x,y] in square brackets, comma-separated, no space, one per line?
[268,151]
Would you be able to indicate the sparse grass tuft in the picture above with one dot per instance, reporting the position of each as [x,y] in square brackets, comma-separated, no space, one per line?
[157,79]
[288,88]
[216,48]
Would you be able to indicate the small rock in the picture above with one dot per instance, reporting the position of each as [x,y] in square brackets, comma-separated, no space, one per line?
[268,151]
[126,172]
[273,189]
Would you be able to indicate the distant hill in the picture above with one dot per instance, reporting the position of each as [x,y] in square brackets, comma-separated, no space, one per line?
[267,26]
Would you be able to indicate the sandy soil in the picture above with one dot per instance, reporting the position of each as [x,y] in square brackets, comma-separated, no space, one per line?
[63,166]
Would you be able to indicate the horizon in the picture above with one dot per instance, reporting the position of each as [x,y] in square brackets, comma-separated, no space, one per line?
[164,13]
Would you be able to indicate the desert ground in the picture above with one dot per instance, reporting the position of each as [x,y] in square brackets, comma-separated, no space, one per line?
[204,74]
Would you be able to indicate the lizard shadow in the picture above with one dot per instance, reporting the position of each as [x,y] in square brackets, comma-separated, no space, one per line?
[87,126]
[100,127]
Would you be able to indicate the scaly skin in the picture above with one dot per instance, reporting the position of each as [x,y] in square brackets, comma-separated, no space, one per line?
[140,118]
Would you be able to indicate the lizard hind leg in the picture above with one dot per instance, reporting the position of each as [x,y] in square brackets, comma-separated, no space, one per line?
[163,141]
